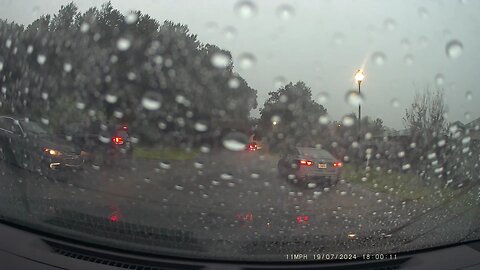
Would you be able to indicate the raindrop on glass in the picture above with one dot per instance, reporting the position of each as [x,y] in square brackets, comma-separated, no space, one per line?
[245,9]
[230,32]
[111,98]
[246,61]
[123,44]
[220,60]
[395,103]
[379,58]
[423,13]
[131,18]
[41,59]
[348,121]
[151,101]
[233,83]
[408,59]
[201,126]
[468,95]
[323,120]
[439,79]
[84,27]
[389,24]
[338,39]
[454,49]
[323,97]
[285,12]
[235,141]
[353,98]
[67,67]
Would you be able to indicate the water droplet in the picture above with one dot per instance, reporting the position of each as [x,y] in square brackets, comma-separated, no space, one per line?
[226,176]
[245,9]
[178,187]
[354,98]
[468,95]
[406,166]
[323,120]
[343,193]
[198,165]
[147,180]
[80,105]
[118,114]
[111,98]
[151,101]
[423,13]
[204,149]
[164,165]
[323,97]
[201,126]
[84,27]
[454,49]
[1,65]
[466,140]
[390,24]
[338,39]
[405,43]
[123,44]
[235,141]
[401,154]
[468,115]
[368,136]
[285,12]
[408,59]
[312,185]
[131,18]
[279,82]
[439,79]
[67,67]
[41,59]
[233,83]
[103,139]
[348,121]
[275,119]
[246,61]
[254,175]
[44,96]
[379,58]
[395,103]
[220,60]
[230,32]
[283,98]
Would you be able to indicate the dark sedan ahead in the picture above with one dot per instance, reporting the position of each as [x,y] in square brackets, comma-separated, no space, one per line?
[26,144]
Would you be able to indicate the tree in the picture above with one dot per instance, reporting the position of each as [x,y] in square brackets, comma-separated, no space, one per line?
[425,118]
[290,116]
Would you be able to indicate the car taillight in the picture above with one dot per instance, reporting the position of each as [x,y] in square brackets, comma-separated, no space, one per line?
[337,164]
[117,140]
[252,147]
[305,162]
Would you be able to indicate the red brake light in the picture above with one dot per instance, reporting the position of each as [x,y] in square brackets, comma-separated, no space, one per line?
[337,164]
[117,140]
[305,162]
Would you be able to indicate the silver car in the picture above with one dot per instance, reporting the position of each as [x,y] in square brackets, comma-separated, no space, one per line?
[306,165]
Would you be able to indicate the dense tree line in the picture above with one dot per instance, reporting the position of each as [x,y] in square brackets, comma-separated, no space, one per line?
[101,65]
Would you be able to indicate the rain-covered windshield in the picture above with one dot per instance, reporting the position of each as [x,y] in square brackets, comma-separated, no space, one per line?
[174,126]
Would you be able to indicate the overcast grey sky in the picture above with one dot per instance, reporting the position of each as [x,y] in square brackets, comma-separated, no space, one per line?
[324,42]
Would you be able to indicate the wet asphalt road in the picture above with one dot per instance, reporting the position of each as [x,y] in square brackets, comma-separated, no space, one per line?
[234,195]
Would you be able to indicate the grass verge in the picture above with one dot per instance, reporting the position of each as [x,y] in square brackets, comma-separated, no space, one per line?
[404,186]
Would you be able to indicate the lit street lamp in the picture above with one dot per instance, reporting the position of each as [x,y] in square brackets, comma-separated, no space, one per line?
[359,76]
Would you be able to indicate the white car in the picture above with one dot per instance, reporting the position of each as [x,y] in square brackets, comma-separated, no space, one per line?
[307,165]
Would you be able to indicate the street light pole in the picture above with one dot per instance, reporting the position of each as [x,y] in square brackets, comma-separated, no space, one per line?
[359,108]
[359,76]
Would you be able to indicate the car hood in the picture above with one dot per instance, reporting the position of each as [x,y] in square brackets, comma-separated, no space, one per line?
[56,143]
